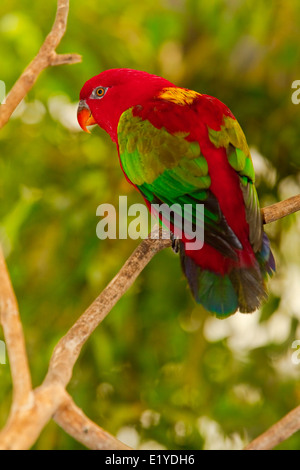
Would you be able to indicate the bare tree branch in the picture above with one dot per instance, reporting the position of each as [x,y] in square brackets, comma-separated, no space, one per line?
[14,337]
[281,209]
[74,422]
[46,57]
[278,433]
[26,422]
[68,349]
[32,409]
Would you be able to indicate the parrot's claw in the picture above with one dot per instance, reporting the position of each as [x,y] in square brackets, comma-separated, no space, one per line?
[175,243]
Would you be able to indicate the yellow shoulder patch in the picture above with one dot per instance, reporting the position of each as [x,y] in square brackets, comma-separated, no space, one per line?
[180,96]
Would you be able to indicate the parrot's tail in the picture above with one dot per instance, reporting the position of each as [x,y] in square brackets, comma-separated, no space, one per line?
[241,288]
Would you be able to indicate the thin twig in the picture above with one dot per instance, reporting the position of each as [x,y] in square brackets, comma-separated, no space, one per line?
[14,337]
[46,57]
[74,422]
[278,433]
[281,209]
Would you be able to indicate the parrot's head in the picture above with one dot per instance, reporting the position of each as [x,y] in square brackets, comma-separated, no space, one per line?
[106,96]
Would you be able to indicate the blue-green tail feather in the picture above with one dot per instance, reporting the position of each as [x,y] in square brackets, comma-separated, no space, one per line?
[241,288]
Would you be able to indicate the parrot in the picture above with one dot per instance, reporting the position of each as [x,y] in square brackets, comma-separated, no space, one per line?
[179,146]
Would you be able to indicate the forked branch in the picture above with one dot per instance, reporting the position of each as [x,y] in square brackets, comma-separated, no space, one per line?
[46,57]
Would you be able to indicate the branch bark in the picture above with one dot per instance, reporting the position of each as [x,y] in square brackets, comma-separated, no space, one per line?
[278,433]
[281,209]
[46,57]
[71,418]
[68,349]
[33,409]
[14,338]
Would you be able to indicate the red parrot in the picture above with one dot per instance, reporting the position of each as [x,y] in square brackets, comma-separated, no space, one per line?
[178,146]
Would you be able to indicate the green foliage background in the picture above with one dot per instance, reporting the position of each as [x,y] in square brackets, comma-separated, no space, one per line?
[159,371]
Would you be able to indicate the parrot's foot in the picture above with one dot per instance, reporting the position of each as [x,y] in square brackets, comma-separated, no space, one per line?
[175,243]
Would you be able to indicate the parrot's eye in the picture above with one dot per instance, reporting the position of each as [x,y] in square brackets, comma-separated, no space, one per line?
[100,91]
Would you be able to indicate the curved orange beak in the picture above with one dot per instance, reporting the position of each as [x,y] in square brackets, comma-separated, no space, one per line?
[84,116]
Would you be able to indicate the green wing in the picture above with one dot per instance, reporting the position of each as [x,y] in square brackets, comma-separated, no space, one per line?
[166,168]
[233,139]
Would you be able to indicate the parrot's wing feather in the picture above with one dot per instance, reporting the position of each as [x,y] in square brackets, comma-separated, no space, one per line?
[217,232]
[232,138]
[167,168]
